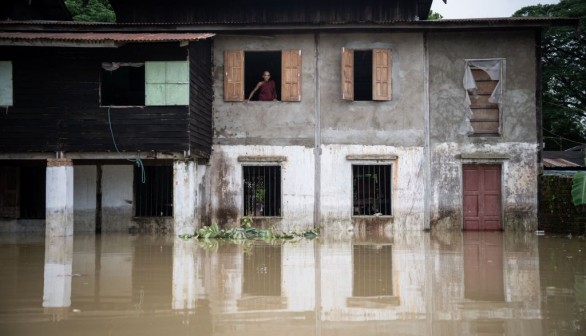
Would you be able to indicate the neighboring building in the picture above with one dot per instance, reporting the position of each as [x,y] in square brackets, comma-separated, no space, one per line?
[382,120]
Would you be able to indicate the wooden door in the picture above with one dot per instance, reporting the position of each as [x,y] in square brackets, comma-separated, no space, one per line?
[482,197]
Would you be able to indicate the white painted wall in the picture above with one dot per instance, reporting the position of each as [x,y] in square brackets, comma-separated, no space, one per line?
[84,193]
[117,197]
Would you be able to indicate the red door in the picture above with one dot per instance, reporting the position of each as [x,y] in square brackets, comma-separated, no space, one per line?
[482,197]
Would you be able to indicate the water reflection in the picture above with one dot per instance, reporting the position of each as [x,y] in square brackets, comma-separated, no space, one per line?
[410,283]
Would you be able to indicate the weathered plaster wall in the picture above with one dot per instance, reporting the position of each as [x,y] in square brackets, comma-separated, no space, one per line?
[117,198]
[265,123]
[84,194]
[407,186]
[225,181]
[399,122]
[449,125]
[343,127]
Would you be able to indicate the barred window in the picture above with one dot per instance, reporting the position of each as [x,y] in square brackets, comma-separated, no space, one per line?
[262,190]
[154,197]
[371,190]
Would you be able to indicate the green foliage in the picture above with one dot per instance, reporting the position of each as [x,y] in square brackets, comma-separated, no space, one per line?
[95,11]
[247,232]
[579,188]
[434,15]
[563,69]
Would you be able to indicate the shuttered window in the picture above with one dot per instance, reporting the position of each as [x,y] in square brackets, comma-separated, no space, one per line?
[167,83]
[235,78]
[234,75]
[291,75]
[6,83]
[366,79]
[483,81]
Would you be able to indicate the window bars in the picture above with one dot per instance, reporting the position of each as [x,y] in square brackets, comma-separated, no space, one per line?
[371,190]
[154,197]
[262,190]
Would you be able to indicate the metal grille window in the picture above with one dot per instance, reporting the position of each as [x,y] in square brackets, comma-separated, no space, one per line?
[154,197]
[262,190]
[371,190]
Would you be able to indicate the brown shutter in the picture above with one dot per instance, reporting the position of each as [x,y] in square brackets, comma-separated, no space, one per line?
[381,74]
[233,75]
[347,74]
[291,75]
[9,192]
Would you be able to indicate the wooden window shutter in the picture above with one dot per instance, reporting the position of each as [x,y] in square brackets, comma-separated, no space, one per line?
[381,74]
[347,74]
[9,192]
[233,75]
[291,75]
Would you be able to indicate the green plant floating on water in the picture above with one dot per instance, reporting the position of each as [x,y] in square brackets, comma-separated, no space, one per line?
[247,232]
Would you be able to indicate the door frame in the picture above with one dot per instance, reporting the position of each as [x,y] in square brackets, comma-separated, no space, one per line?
[501,191]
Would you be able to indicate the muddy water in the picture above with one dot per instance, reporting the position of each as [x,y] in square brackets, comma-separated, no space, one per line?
[401,284]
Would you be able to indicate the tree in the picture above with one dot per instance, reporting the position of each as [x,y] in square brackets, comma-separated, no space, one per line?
[563,74]
[434,15]
[92,10]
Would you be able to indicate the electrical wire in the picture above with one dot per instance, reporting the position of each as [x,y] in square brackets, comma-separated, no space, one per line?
[137,161]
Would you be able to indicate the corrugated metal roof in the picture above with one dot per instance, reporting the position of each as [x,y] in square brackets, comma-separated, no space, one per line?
[93,40]
[558,163]
[103,37]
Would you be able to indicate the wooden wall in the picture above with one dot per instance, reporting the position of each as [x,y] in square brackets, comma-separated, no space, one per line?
[57,104]
[200,97]
[267,12]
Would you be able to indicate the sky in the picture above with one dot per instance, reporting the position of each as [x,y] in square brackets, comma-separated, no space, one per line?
[459,9]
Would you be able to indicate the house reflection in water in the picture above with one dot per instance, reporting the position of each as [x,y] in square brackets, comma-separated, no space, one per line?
[407,283]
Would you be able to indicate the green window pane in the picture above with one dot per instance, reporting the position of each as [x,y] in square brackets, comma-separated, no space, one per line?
[155,94]
[177,94]
[6,84]
[177,72]
[155,72]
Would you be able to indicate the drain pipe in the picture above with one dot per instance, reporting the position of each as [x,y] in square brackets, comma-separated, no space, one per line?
[427,136]
[317,140]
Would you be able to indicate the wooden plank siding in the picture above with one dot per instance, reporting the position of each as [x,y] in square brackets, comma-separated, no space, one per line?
[200,97]
[57,103]
[263,12]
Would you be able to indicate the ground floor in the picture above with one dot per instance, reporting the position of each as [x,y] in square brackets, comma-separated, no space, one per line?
[339,187]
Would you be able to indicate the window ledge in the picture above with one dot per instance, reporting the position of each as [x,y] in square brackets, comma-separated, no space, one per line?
[375,157]
[485,156]
[373,216]
[259,158]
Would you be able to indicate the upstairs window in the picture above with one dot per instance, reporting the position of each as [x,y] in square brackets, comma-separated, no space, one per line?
[366,74]
[6,83]
[483,82]
[140,84]
[244,70]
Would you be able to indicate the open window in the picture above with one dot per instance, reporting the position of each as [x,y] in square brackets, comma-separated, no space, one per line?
[483,82]
[366,74]
[149,83]
[262,190]
[243,70]
[6,86]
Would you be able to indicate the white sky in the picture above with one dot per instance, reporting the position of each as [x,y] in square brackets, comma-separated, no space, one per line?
[460,9]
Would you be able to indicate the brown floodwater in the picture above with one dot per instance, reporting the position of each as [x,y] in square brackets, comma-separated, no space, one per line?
[411,283]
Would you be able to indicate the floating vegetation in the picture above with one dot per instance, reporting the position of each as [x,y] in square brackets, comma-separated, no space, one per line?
[247,232]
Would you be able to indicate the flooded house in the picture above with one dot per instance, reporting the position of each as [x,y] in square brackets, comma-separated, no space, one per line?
[377,118]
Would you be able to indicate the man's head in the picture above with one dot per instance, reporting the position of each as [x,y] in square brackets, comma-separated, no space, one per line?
[266,75]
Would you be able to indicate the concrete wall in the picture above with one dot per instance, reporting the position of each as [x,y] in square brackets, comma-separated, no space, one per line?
[516,147]
[316,134]
[84,194]
[117,198]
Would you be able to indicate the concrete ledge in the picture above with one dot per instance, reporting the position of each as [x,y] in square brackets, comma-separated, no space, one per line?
[371,157]
[262,158]
[484,156]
